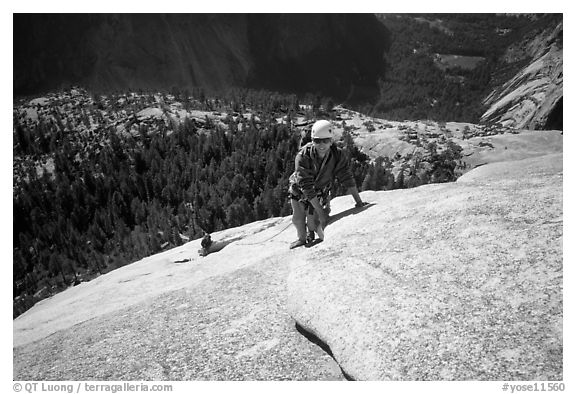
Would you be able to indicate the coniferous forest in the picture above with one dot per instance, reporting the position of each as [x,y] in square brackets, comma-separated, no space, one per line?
[115,197]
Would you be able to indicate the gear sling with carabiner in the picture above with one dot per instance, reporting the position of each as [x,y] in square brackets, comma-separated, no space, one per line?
[321,193]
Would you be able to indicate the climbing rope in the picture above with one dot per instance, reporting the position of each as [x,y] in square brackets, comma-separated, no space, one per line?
[268,239]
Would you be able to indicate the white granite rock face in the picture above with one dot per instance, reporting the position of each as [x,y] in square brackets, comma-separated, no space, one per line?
[444,282]
[526,101]
[458,281]
[177,316]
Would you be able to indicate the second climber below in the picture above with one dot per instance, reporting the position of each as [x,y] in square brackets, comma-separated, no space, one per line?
[317,164]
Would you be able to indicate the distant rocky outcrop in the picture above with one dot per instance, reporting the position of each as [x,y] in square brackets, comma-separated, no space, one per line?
[532,99]
[329,53]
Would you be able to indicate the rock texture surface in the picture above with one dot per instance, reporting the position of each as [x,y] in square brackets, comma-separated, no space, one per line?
[479,151]
[444,282]
[455,281]
[222,317]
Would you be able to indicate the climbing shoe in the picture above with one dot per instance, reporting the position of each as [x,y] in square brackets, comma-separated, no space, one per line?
[310,237]
[297,243]
[315,242]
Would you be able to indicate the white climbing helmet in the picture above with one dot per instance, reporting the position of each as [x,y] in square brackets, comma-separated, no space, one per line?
[322,129]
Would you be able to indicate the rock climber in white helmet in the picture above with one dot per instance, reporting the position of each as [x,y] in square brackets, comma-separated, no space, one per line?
[316,165]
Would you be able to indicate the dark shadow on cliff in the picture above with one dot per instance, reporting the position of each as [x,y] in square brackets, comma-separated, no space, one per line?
[348,212]
[324,54]
[317,341]
[555,118]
